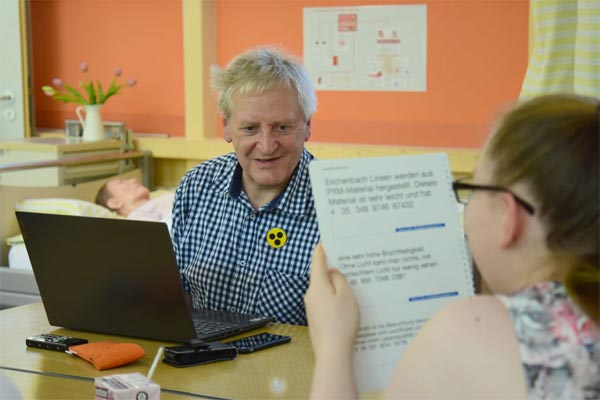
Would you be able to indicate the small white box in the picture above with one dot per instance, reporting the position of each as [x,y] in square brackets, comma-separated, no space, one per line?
[126,387]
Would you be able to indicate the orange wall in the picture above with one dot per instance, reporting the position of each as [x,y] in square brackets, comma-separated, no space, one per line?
[144,37]
[477,55]
[476,60]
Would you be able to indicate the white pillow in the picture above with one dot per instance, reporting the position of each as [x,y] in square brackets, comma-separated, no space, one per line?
[65,207]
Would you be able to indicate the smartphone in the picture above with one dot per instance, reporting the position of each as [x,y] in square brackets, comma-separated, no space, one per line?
[53,342]
[258,342]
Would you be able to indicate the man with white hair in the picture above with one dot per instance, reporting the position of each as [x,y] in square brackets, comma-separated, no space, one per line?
[244,224]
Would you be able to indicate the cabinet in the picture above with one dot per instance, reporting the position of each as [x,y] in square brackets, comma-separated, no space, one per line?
[17,287]
[50,149]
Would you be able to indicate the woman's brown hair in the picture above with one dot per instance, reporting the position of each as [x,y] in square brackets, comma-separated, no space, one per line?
[551,144]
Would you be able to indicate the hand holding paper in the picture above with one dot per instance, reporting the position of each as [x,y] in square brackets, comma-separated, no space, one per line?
[391,225]
[331,306]
[333,316]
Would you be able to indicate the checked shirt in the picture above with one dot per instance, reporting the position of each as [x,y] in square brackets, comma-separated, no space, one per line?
[221,244]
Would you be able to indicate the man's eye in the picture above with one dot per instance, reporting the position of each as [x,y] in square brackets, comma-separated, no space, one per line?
[282,128]
[249,129]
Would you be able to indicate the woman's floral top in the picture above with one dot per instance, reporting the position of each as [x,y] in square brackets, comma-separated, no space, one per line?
[559,344]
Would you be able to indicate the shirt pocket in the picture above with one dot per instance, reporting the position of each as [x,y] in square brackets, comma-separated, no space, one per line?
[282,296]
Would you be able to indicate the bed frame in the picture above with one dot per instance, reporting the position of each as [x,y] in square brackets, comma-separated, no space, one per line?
[18,287]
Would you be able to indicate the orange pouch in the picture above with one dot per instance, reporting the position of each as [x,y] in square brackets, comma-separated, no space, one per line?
[107,354]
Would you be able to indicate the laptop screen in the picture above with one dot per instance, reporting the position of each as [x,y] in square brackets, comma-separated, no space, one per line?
[111,276]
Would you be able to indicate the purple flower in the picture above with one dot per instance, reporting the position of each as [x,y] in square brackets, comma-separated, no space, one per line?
[92,92]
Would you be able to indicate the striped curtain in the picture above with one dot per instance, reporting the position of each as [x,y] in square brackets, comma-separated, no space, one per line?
[565,53]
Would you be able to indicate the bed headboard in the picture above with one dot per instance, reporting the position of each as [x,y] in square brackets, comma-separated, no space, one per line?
[10,195]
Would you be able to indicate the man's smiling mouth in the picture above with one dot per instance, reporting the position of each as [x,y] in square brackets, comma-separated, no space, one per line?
[267,161]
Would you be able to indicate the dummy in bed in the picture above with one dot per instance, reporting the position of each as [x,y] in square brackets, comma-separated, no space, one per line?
[122,198]
[130,199]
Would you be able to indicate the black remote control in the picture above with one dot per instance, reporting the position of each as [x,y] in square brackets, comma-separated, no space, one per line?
[53,342]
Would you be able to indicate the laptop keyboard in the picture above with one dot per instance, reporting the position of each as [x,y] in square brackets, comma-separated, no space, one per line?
[211,327]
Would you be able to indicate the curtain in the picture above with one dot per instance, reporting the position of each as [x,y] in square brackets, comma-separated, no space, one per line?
[565,48]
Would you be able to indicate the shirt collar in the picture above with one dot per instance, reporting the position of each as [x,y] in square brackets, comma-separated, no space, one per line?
[295,199]
[235,187]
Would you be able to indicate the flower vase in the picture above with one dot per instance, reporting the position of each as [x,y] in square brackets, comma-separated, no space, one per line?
[93,129]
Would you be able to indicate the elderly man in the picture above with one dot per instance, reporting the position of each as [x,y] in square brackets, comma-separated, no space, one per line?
[244,224]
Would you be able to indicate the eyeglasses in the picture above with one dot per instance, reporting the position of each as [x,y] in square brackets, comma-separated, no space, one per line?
[463,192]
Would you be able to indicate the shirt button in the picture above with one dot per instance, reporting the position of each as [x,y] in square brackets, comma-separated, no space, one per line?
[231,309]
[242,263]
[252,216]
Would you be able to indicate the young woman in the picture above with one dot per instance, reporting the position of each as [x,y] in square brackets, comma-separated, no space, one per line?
[532,226]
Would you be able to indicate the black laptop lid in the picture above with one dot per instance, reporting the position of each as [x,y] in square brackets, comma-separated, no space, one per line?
[107,275]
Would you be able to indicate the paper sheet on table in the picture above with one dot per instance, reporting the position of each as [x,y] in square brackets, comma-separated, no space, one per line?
[392,226]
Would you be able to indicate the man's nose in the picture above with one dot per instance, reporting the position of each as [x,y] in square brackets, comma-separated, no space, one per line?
[267,141]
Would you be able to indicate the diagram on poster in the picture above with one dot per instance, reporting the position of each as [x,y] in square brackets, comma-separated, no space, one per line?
[367,47]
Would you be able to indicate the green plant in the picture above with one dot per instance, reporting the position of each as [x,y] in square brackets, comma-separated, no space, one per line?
[93,93]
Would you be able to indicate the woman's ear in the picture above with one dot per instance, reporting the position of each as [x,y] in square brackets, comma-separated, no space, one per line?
[512,224]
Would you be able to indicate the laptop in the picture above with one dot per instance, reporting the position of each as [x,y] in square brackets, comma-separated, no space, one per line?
[119,277]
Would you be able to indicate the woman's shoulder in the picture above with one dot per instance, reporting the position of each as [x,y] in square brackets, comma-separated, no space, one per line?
[467,349]
[471,327]
[476,320]
[472,308]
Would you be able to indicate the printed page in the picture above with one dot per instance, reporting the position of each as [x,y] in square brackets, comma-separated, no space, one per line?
[392,226]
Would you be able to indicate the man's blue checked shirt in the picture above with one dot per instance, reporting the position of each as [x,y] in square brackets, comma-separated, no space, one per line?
[235,258]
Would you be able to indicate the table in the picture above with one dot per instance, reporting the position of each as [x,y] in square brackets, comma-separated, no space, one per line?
[280,372]
[33,385]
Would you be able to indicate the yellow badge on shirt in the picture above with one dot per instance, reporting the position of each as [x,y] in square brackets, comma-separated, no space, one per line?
[276,237]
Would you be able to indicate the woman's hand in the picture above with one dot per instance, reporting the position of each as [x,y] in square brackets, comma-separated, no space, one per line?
[331,308]
[333,318]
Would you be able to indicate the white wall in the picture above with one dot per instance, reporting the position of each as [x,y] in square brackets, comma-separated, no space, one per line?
[12,112]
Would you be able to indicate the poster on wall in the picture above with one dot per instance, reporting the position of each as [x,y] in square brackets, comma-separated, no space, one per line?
[370,48]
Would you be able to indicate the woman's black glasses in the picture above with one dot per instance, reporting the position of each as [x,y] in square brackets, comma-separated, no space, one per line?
[463,192]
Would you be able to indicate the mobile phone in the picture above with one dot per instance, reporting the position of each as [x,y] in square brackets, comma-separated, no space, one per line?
[50,341]
[258,342]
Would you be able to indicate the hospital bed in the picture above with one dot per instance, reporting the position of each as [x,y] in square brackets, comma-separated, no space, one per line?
[17,285]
